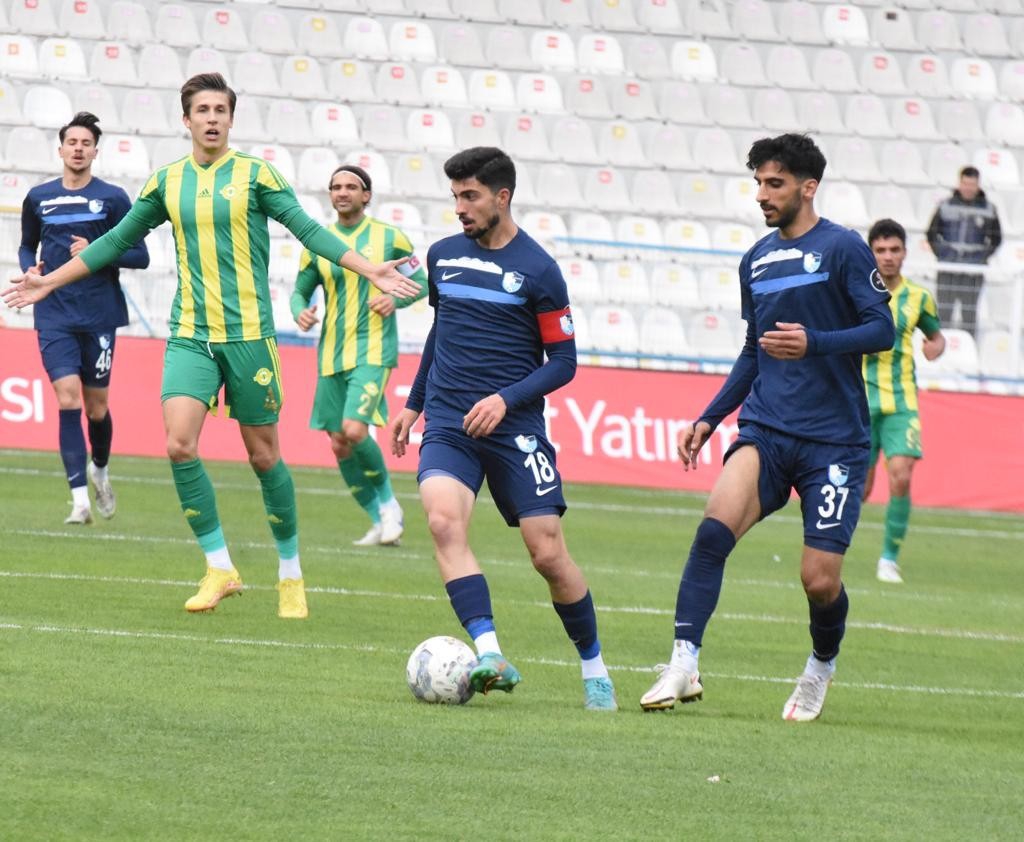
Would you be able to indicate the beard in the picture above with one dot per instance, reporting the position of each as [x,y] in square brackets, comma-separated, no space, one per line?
[477,233]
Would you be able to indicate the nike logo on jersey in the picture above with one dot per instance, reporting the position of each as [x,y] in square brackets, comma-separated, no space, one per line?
[446,275]
[821,525]
[542,491]
[759,272]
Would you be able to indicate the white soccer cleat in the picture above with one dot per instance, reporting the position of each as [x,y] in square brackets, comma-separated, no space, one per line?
[106,503]
[392,524]
[808,698]
[371,538]
[888,571]
[79,515]
[673,685]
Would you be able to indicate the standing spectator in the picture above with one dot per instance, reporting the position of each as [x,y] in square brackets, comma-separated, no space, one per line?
[964,229]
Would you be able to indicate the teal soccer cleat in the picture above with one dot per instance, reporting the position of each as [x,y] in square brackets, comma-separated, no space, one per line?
[599,694]
[493,672]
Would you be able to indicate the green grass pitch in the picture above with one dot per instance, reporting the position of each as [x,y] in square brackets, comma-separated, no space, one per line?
[122,717]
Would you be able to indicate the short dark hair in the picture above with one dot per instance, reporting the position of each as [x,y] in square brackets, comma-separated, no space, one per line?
[796,153]
[487,164]
[86,121]
[885,228]
[970,172]
[206,82]
[358,172]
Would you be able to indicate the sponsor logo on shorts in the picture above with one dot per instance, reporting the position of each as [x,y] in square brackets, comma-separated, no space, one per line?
[542,491]
[104,340]
[838,474]
[264,377]
[821,525]
[527,444]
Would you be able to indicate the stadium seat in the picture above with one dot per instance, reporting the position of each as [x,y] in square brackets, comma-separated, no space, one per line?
[600,53]
[642,231]
[613,329]
[901,163]
[397,83]
[168,149]
[739,198]
[581,278]
[460,44]
[912,118]
[99,100]
[288,122]
[711,337]
[867,117]
[335,124]
[937,31]
[927,76]
[62,58]
[587,96]
[507,49]
[618,143]
[417,175]
[526,137]
[959,121]
[364,38]
[984,35]
[316,163]
[553,50]
[436,9]
[350,81]
[255,73]
[727,106]
[614,16]
[124,157]
[81,20]
[567,13]
[668,146]
[718,288]
[674,285]
[799,23]
[945,160]
[430,129]
[10,106]
[402,215]
[633,99]
[685,234]
[302,78]
[653,188]
[624,282]
[694,61]
[1004,123]
[732,237]
[1011,77]
[819,113]
[148,112]
[959,358]
[271,32]
[843,202]
[660,16]
[715,150]
[605,189]
[995,355]
[112,64]
[558,186]
[546,228]
[278,156]
[974,78]
[572,140]
[248,121]
[893,201]
[593,235]
[786,67]
[29,150]
[476,128]
[443,86]
[175,26]
[528,12]
[880,74]
[18,56]
[700,196]
[539,92]
[223,30]
[708,19]
[774,109]
[414,324]
[375,164]
[998,167]
[681,102]
[46,107]
[206,60]
[480,10]
[661,334]
[740,64]
[383,127]
[752,20]
[34,17]
[646,58]
[845,24]
[410,40]
[892,29]
[491,89]
[833,69]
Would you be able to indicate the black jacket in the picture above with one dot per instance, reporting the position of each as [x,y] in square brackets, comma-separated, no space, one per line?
[965,232]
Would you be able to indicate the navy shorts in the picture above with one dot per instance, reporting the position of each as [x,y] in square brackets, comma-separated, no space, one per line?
[828,478]
[519,469]
[87,354]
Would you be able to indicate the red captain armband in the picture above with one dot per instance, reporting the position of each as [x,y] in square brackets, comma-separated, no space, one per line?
[555,326]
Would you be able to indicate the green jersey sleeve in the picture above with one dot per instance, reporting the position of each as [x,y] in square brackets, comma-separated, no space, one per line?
[928,321]
[146,214]
[305,284]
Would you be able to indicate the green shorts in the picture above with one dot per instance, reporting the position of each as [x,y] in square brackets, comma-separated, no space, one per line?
[250,373]
[356,394]
[896,434]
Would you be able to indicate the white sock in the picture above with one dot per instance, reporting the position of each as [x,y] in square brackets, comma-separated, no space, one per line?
[99,473]
[819,668]
[487,642]
[684,655]
[288,568]
[80,497]
[219,559]
[594,667]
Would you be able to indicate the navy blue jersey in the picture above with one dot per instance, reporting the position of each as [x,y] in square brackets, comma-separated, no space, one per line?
[50,214]
[827,281]
[497,312]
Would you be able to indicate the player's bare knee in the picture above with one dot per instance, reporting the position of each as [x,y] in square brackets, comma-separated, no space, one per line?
[445,528]
[354,431]
[263,460]
[179,450]
[821,587]
[340,446]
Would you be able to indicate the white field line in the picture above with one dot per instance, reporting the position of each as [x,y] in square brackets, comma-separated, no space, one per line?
[623,508]
[888,628]
[174,637]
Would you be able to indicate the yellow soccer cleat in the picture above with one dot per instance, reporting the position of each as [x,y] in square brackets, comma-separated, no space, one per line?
[292,601]
[216,585]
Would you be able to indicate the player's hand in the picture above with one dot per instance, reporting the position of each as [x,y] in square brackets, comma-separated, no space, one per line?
[26,289]
[78,245]
[789,342]
[307,318]
[404,423]
[485,415]
[387,278]
[932,348]
[382,305]
[691,439]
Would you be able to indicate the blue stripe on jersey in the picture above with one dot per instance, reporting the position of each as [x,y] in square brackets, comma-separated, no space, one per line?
[68,218]
[788,282]
[479,294]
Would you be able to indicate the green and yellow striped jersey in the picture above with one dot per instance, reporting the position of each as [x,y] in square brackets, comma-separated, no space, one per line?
[352,334]
[219,217]
[889,375]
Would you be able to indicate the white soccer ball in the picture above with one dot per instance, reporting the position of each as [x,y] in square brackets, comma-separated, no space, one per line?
[438,671]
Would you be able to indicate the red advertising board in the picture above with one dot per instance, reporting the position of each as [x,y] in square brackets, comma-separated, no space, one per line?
[614,426]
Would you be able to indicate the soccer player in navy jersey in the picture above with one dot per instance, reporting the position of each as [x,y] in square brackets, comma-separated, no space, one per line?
[77,325]
[814,302]
[500,306]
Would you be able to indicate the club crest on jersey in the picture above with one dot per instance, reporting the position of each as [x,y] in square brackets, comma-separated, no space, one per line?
[876,281]
[565,323]
[104,341]
[264,376]
[228,191]
[838,475]
[512,281]
[527,444]
[812,261]
[367,251]
[95,205]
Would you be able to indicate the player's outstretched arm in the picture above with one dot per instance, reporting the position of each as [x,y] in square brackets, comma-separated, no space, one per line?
[400,431]
[385,276]
[691,439]
[32,287]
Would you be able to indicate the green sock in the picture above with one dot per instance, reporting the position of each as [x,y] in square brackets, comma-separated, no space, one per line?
[897,515]
[195,492]
[364,493]
[279,501]
[367,453]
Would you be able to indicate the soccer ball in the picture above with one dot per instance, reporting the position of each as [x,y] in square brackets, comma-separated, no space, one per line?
[438,671]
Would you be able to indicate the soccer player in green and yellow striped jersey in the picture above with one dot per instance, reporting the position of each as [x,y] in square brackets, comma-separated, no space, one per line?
[358,348]
[892,388]
[222,333]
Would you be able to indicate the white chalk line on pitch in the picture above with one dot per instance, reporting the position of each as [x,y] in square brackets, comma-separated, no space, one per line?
[889,628]
[177,637]
[624,508]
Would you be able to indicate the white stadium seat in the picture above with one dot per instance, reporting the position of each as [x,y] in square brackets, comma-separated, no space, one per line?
[700,196]
[985,35]
[223,30]
[582,279]
[526,137]
[18,56]
[718,288]
[507,49]
[937,30]
[206,60]
[10,107]
[397,82]
[618,142]
[444,87]
[799,22]
[278,156]
[558,186]
[317,35]
[845,24]
[681,102]
[334,123]
[945,160]
[625,282]
[892,29]
[892,201]
[866,116]
[752,20]
[715,150]
[567,12]
[959,121]
[998,167]
[732,237]
[833,69]
[124,156]
[605,189]
[572,140]
[316,163]
[685,234]
[639,231]
[160,67]
[248,122]
[662,334]
[912,118]
[34,17]
[843,202]
[694,60]
[661,16]
[674,285]
[740,64]
[271,32]
[709,335]
[528,12]
[1011,78]
[927,76]
[1004,123]
[995,355]
[403,215]
[410,40]
[382,127]
[429,128]
[739,199]
[539,92]
[646,58]
[786,67]
[302,77]
[587,96]
[546,228]
[613,15]
[113,64]
[727,106]
[82,20]
[633,99]
[553,50]
[417,175]
[129,22]
[175,25]
[774,109]
[901,163]
[481,10]
[62,58]
[708,19]
[476,128]
[148,112]
[600,53]
[288,122]
[364,38]
[29,150]
[654,189]
[614,329]
[460,44]
[350,80]
[819,112]
[594,235]
[880,74]
[375,164]
[973,77]
[47,107]
[491,89]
